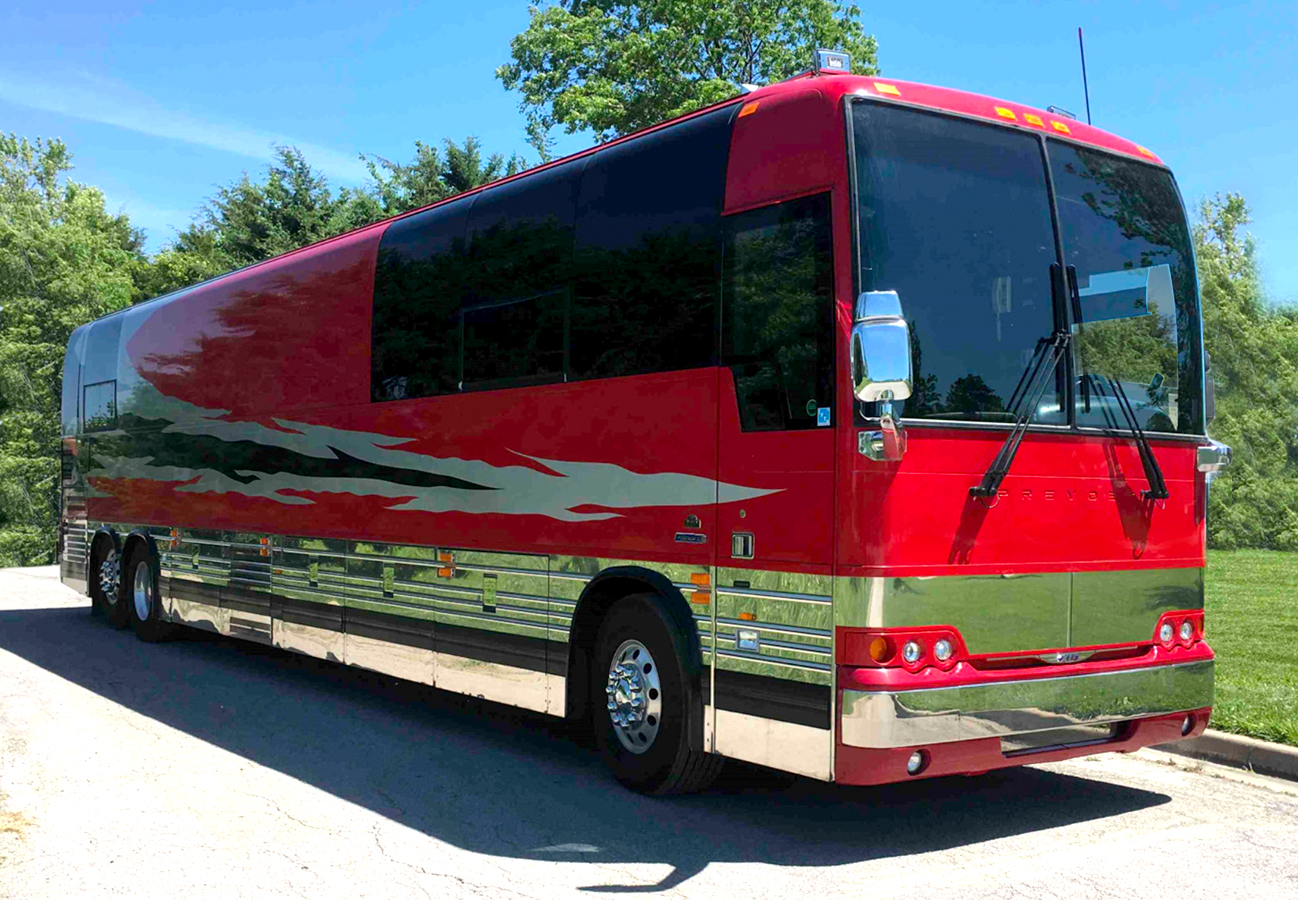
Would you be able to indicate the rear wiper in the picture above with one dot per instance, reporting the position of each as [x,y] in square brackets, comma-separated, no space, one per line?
[1153,474]
[1023,402]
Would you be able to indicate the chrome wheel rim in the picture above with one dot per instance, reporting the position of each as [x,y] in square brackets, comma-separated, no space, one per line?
[635,698]
[110,573]
[142,592]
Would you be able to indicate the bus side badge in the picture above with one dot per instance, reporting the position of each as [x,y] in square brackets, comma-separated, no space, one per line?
[489,593]
[690,537]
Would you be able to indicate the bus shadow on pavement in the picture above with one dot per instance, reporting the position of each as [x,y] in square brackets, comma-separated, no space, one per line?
[497,780]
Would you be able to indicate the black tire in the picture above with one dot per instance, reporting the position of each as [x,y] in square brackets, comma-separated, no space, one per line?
[142,580]
[668,764]
[108,604]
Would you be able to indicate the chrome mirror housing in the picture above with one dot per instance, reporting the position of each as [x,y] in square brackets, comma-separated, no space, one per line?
[880,348]
[1212,457]
[881,369]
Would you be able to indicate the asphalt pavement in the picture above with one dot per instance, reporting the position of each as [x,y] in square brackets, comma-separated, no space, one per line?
[209,768]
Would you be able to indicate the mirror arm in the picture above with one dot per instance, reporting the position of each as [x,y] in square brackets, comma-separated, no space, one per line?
[888,444]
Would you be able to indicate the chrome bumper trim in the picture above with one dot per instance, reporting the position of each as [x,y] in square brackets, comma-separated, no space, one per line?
[879,720]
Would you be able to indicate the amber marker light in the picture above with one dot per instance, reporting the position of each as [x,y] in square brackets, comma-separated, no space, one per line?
[702,579]
[703,598]
[887,88]
[1060,126]
[879,649]
[1033,120]
[748,617]
[749,108]
[1006,114]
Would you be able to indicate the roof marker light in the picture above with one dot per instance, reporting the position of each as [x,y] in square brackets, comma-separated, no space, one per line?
[749,108]
[833,61]
[1060,126]
[1145,151]
[1006,114]
[887,88]
[1032,119]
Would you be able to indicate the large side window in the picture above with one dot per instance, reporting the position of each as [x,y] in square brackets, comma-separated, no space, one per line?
[418,284]
[519,268]
[777,328]
[647,251]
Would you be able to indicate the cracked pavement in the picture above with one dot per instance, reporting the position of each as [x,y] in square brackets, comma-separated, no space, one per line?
[209,768]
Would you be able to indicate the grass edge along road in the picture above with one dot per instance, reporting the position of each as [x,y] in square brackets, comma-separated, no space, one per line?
[1252,625]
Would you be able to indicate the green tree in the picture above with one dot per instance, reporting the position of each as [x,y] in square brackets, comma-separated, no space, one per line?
[292,207]
[435,175]
[615,67]
[64,260]
[1254,350]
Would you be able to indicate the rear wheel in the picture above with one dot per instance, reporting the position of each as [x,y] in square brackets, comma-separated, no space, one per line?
[106,585]
[641,697]
[144,606]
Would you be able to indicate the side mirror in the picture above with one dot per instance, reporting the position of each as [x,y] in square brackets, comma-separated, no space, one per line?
[881,367]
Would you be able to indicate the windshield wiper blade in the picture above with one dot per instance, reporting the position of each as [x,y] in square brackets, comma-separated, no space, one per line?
[1153,474]
[1027,394]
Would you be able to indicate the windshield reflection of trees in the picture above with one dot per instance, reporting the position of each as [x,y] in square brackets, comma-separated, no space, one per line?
[1138,204]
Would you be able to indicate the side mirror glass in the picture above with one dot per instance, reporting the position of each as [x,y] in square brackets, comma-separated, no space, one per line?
[881,365]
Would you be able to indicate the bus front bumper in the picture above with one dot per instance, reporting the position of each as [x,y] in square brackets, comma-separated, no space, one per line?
[980,723]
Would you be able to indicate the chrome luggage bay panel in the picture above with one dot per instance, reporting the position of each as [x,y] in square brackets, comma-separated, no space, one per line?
[1017,612]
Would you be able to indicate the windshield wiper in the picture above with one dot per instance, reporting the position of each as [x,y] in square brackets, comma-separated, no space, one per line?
[1023,402]
[1153,474]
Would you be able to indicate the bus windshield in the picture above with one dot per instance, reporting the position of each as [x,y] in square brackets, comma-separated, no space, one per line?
[955,216]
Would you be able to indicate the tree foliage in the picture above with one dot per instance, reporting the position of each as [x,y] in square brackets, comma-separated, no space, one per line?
[615,67]
[63,261]
[434,175]
[1254,351]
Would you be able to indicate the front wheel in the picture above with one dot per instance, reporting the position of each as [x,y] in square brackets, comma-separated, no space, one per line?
[641,701]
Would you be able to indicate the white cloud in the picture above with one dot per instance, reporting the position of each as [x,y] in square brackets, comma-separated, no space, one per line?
[96,100]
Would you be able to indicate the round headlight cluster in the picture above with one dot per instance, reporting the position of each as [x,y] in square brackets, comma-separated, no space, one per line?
[1166,633]
[942,650]
[1187,630]
[911,651]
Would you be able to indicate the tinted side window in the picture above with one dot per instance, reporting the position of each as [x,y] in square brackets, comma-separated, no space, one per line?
[777,326]
[519,267]
[100,406]
[647,251]
[418,284]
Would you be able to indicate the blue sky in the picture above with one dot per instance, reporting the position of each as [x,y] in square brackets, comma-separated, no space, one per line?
[160,103]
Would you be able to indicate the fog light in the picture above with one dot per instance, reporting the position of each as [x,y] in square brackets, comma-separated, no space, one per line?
[1165,633]
[915,764]
[1187,630]
[910,652]
[942,650]
[1187,725]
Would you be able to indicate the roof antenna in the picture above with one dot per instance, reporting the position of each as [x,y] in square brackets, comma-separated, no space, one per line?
[1085,89]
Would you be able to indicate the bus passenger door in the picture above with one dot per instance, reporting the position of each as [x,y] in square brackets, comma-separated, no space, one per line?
[772,678]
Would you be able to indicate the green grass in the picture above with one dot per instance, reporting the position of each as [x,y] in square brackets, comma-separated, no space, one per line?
[1252,624]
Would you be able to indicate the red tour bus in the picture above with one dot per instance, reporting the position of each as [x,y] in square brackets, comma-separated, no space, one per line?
[852,427]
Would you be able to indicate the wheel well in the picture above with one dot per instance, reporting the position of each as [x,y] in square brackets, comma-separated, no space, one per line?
[596,600]
[136,541]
